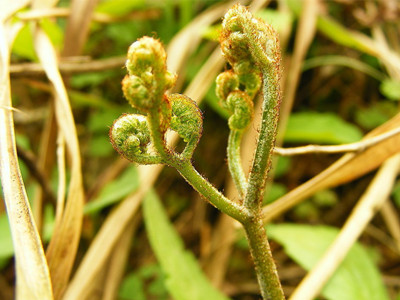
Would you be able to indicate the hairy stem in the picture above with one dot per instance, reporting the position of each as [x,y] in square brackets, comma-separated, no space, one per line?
[266,140]
[234,161]
[267,274]
[157,135]
[209,192]
[259,247]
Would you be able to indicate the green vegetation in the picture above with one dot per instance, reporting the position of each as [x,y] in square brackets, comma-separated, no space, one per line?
[81,222]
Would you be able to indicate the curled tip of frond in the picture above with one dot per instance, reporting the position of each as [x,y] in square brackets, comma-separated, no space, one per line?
[136,92]
[226,83]
[148,77]
[242,108]
[245,37]
[186,120]
[130,135]
[144,55]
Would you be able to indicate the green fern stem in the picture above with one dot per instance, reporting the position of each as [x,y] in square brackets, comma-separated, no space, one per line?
[267,274]
[208,191]
[266,140]
[235,162]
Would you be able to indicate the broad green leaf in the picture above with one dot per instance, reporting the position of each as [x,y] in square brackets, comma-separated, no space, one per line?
[23,44]
[275,191]
[147,282]
[356,278]
[376,114]
[113,192]
[390,89]
[119,7]
[184,277]
[100,121]
[91,79]
[282,166]
[55,33]
[320,128]
[396,194]
[132,288]
[79,99]
[100,146]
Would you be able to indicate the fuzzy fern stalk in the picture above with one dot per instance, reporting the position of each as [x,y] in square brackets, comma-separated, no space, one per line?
[252,49]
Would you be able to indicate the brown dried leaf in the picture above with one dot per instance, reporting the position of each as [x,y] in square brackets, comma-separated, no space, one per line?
[63,245]
[348,168]
[33,278]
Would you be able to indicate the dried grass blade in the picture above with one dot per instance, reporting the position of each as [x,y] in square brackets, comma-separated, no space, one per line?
[33,278]
[63,245]
[78,26]
[372,200]
[8,8]
[349,167]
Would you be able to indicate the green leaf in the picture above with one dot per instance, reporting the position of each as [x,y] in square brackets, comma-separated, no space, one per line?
[23,44]
[132,288]
[100,121]
[376,114]
[91,79]
[184,277]
[79,99]
[100,146]
[54,32]
[282,166]
[396,194]
[390,89]
[320,128]
[119,7]
[147,282]
[275,191]
[356,278]
[114,191]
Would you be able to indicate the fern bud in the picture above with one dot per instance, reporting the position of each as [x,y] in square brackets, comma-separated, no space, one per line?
[146,54]
[242,108]
[244,37]
[226,82]
[186,120]
[136,93]
[251,82]
[130,135]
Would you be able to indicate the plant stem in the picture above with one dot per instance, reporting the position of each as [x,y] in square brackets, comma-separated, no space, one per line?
[266,140]
[234,161]
[210,193]
[157,135]
[267,274]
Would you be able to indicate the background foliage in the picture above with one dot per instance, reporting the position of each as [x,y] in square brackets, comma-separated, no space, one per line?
[342,80]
